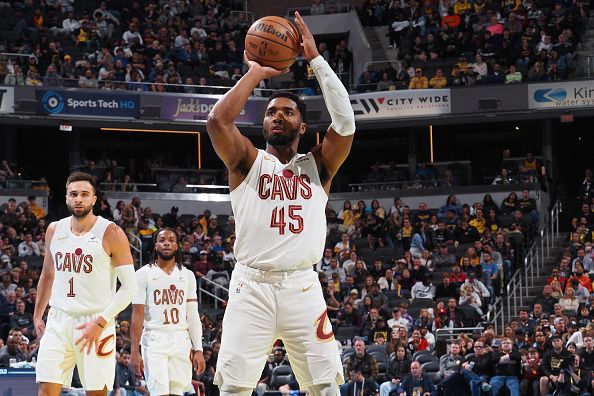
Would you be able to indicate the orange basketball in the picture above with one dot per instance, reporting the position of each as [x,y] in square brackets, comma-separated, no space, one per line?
[272,41]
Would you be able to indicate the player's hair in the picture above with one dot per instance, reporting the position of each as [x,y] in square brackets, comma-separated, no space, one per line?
[178,256]
[81,176]
[291,96]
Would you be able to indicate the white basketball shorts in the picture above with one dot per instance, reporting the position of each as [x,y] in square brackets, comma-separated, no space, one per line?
[265,306]
[167,364]
[58,353]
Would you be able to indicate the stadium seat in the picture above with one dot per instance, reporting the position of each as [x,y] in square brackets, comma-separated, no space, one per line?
[431,370]
[344,333]
[426,358]
[414,312]
[380,356]
[377,348]
[419,353]
[422,303]
[281,375]
[382,367]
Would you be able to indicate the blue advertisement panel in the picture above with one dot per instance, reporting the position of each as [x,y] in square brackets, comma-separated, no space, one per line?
[87,103]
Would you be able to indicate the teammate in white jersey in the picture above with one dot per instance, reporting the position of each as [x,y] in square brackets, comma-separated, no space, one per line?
[166,306]
[278,199]
[86,255]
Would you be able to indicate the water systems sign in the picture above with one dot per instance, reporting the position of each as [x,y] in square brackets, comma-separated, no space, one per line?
[406,103]
[561,95]
[85,103]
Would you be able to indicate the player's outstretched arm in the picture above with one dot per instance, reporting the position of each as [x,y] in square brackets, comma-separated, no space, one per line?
[138,302]
[136,363]
[235,150]
[45,283]
[337,143]
[121,259]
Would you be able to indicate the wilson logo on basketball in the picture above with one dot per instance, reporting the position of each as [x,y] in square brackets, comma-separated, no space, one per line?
[321,323]
[105,343]
[263,27]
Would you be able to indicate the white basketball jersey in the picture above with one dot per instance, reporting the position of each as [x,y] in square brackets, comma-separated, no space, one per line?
[85,280]
[165,297]
[280,219]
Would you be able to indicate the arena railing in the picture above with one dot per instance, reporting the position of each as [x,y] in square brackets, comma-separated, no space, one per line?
[216,289]
[24,184]
[137,249]
[383,62]
[129,187]
[518,289]
[330,7]
[18,55]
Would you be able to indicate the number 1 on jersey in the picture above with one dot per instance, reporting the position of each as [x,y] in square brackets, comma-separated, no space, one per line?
[71,290]
[278,219]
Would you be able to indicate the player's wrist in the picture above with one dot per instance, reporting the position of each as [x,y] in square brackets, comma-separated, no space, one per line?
[100,321]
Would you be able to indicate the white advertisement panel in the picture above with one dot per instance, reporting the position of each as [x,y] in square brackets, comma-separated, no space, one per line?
[561,95]
[404,103]
[6,100]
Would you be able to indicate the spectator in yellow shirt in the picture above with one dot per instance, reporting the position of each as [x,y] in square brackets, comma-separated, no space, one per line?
[419,81]
[36,209]
[439,81]
[461,7]
[479,221]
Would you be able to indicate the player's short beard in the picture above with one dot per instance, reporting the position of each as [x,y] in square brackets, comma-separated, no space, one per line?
[165,257]
[82,214]
[282,140]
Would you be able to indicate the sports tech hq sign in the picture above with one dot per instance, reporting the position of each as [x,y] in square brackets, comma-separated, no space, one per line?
[561,95]
[404,103]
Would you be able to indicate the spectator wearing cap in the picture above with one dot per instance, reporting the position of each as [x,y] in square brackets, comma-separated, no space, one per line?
[5,265]
[171,219]
[214,227]
[554,362]
[507,367]
[419,81]
[349,315]
[397,320]
[443,259]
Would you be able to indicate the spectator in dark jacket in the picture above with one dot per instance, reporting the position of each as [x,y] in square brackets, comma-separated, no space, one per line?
[416,383]
[553,363]
[507,368]
[478,369]
[398,367]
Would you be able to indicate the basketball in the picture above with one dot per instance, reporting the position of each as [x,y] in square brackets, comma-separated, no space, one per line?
[272,41]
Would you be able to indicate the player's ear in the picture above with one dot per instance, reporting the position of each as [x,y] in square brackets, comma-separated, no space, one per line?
[302,128]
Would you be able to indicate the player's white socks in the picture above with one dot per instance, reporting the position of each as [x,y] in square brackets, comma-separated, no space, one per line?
[235,391]
[324,390]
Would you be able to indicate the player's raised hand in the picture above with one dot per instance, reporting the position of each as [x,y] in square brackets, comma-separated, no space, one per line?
[91,331]
[264,71]
[136,363]
[308,44]
[198,361]
[39,327]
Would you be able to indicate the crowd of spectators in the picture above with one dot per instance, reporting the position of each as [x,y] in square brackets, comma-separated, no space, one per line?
[393,279]
[118,45]
[460,42]
[392,176]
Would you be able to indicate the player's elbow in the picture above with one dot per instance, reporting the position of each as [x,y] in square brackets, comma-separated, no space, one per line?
[215,122]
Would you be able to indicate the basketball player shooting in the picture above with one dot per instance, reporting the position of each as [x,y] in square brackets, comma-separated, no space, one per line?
[279,198]
[166,306]
[86,255]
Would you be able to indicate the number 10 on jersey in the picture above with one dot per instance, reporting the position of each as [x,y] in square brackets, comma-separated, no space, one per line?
[292,219]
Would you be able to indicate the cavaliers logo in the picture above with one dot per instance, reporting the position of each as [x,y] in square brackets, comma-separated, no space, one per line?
[321,323]
[105,346]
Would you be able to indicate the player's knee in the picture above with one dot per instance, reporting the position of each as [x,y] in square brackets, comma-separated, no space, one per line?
[329,389]
[232,390]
